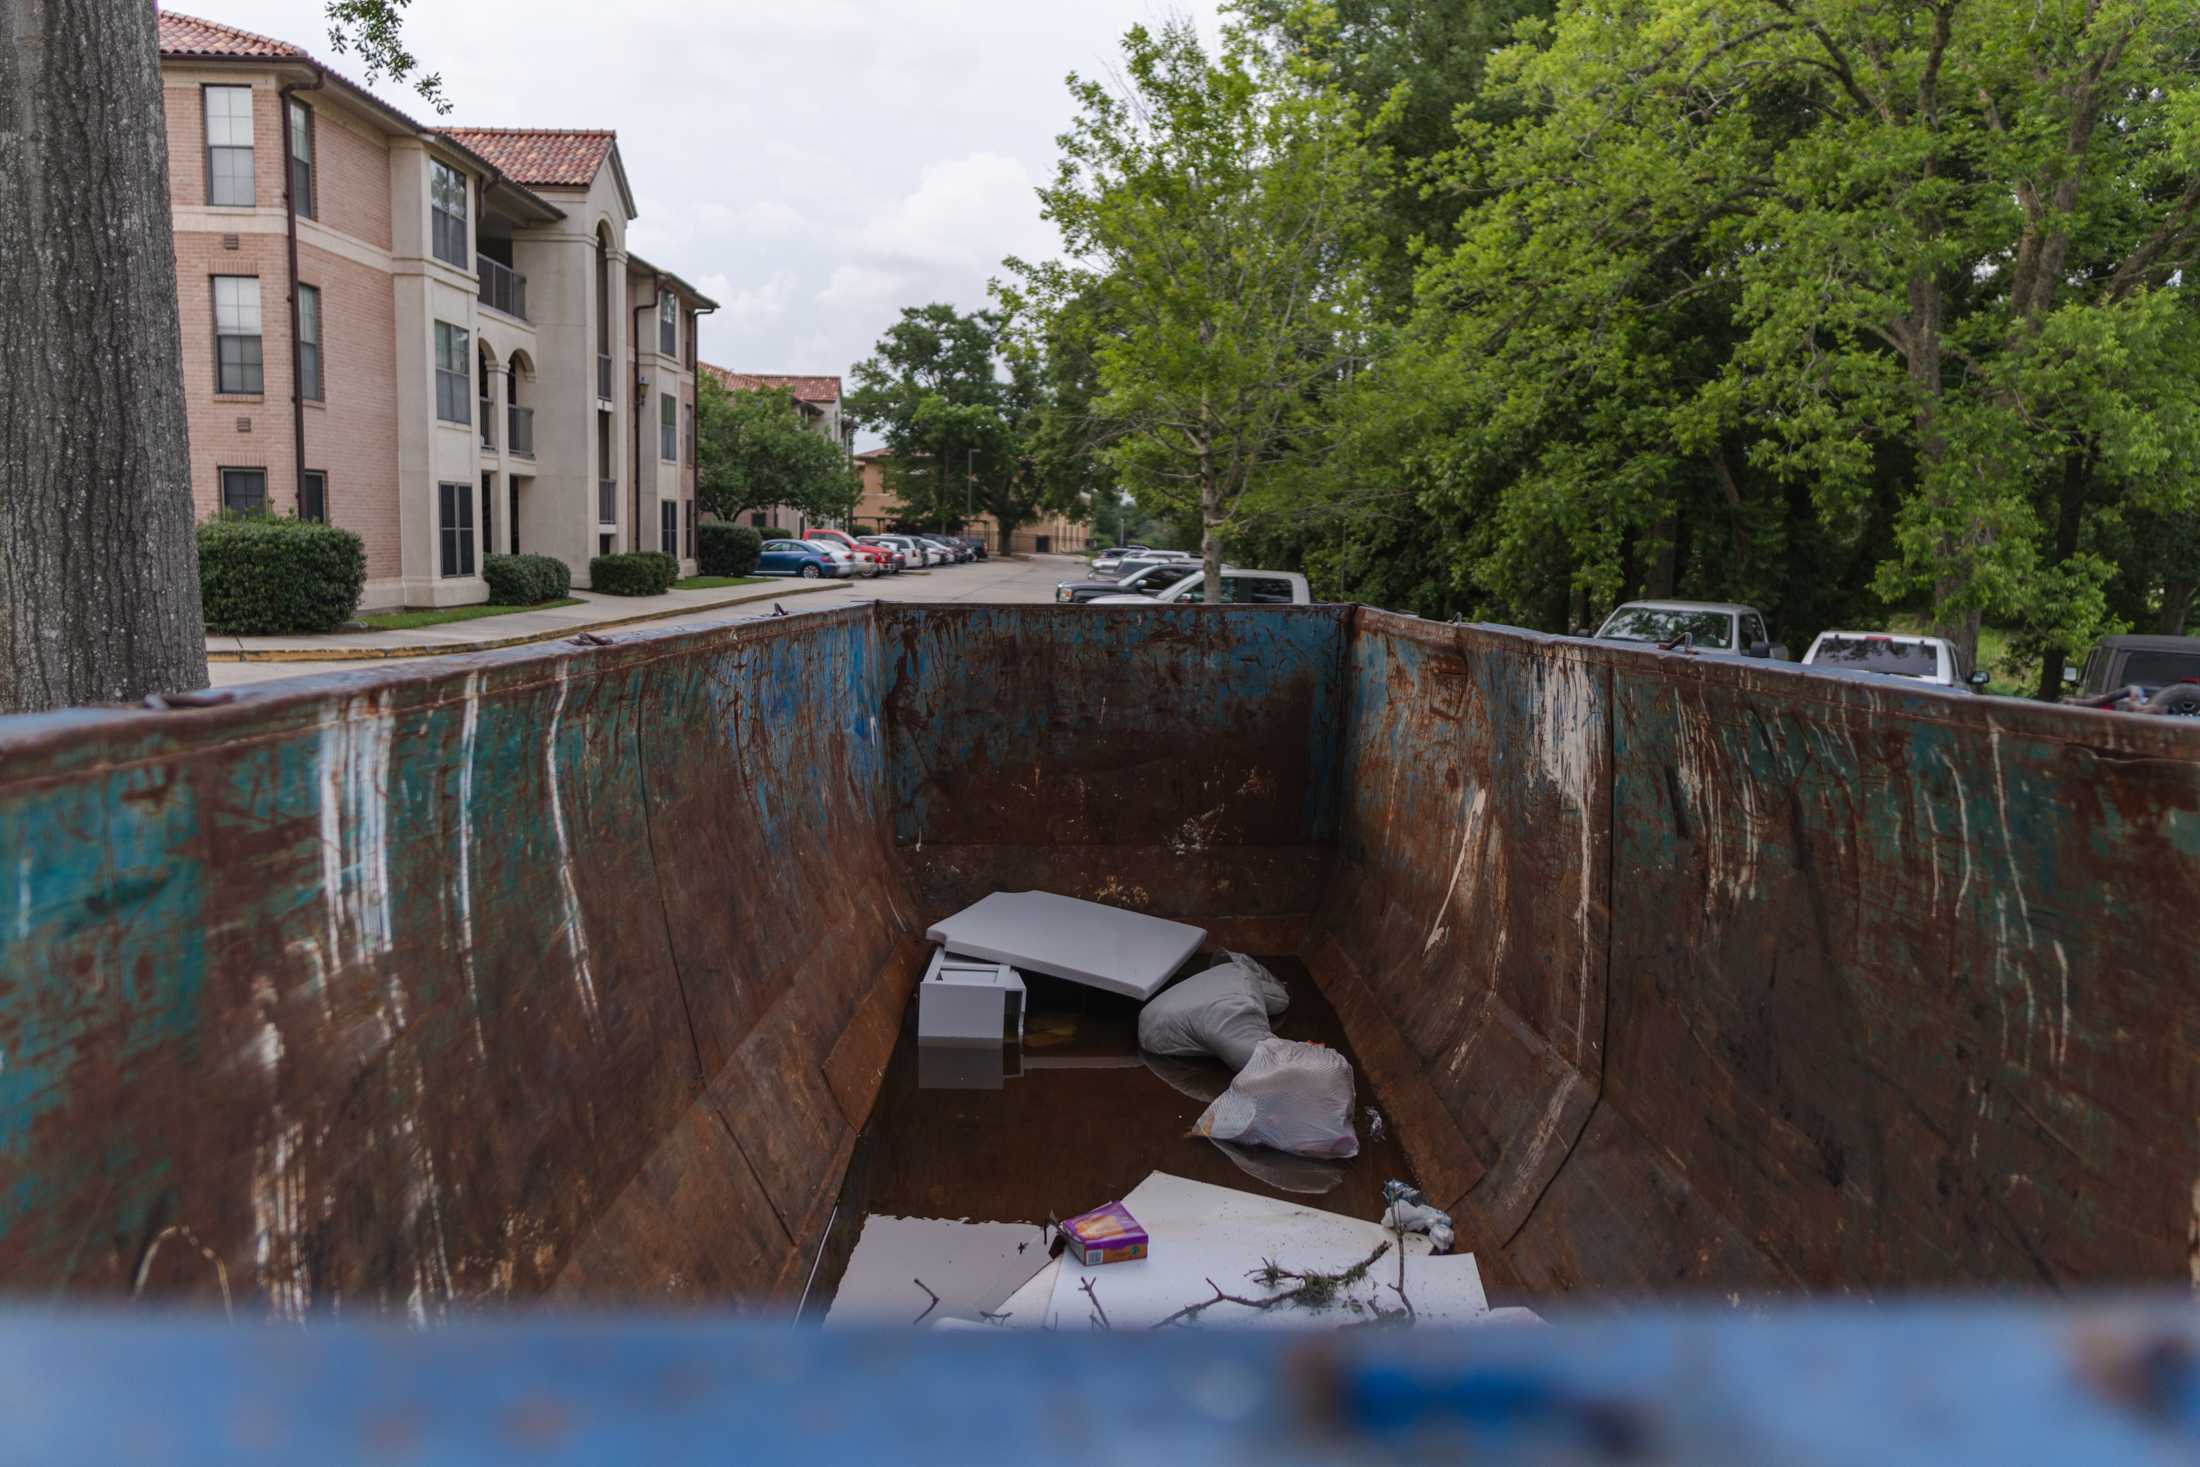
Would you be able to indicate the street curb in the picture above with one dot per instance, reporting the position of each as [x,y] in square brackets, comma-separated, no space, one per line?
[382,654]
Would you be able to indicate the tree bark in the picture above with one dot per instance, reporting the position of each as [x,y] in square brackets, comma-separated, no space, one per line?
[2077,483]
[99,582]
[2176,606]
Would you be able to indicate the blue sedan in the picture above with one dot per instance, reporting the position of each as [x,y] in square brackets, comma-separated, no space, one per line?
[804,558]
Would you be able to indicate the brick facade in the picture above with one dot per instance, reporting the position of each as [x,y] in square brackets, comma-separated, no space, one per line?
[367,248]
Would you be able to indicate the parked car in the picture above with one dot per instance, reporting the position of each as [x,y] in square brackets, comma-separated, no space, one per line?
[1711,628]
[878,559]
[1148,581]
[809,559]
[1256,587]
[851,564]
[2141,674]
[920,554]
[1132,563]
[901,557]
[1900,655]
[957,552]
[976,544]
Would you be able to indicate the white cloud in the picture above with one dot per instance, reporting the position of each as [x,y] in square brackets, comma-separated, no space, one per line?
[861,285]
[966,212]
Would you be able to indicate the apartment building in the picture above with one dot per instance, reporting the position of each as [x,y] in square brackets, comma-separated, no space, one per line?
[878,509]
[817,399]
[434,337]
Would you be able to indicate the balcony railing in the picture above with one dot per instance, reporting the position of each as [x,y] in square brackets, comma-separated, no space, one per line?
[488,424]
[603,375]
[502,288]
[607,501]
[521,435]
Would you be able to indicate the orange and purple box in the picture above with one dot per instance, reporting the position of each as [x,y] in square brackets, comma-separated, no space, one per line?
[1105,1235]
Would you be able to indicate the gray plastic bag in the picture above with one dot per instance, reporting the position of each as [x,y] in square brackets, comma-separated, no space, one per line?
[1292,1096]
[1222,1012]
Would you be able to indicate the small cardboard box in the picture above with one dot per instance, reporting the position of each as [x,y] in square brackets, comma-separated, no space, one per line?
[1104,1235]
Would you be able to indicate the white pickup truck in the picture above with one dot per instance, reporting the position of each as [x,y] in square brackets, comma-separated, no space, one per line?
[1257,587]
[1929,660]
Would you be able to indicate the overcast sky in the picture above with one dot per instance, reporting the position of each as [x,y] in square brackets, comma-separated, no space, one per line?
[812,166]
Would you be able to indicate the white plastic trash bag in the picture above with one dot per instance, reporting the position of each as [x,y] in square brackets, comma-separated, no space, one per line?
[1292,1096]
[1223,1012]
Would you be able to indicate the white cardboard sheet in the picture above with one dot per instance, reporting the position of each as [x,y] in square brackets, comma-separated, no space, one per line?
[1084,942]
[1199,1231]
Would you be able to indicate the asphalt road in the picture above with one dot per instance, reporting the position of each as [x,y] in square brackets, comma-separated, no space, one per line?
[1021,580]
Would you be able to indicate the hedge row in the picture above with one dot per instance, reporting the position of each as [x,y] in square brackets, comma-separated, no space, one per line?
[262,576]
[727,550]
[523,580]
[635,573]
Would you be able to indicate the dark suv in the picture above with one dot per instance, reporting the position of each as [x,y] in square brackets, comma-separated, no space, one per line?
[2142,674]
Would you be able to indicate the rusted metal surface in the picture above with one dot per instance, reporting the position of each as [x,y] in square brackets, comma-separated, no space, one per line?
[387,991]
[576,970]
[1472,899]
[1894,988]
[1180,761]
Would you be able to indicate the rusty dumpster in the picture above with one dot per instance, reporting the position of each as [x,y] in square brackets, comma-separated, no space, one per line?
[571,972]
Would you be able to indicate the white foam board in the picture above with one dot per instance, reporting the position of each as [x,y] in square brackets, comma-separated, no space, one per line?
[968,1264]
[1199,1231]
[1032,1306]
[1084,942]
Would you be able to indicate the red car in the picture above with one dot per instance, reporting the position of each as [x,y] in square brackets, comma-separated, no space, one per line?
[883,559]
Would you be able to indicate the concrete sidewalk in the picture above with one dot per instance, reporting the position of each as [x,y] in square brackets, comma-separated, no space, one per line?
[511,629]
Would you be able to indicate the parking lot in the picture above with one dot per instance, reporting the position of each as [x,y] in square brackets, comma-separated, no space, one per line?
[1028,578]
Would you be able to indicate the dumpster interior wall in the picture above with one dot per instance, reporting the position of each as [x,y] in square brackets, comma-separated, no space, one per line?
[573,973]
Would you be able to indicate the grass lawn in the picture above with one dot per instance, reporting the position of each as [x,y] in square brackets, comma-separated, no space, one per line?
[712,583]
[405,621]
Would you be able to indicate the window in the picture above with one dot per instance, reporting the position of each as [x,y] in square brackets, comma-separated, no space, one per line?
[1753,631]
[603,544]
[668,428]
[687,508]
[313,496]
[457,528]
[244,490]
[687,413]
[309,341]
[301,159]
[228,144]
[237,334]
[668,324]
[668,527]
[447,200]
[451,376]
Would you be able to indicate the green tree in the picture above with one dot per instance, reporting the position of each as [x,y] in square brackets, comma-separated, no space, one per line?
[975,423]
[1215,216]
[754,451]
[1872,302]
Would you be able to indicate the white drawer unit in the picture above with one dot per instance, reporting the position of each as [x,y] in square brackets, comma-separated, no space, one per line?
[969,1001]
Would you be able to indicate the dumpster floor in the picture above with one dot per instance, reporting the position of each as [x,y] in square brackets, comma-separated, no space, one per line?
[1086,1120]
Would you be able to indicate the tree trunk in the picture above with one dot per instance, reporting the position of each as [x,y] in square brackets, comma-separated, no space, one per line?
[2077,481]
[99,581]
[2176,606]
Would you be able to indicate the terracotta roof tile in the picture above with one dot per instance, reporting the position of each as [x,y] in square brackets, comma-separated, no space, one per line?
[802,389]
[187,35]
[544,157]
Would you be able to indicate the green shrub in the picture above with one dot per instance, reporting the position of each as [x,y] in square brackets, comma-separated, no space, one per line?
[775,533]
[262,576]
[523,580]
[635,573]
[727,550]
